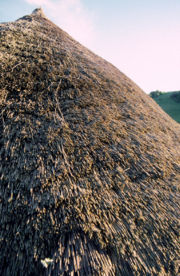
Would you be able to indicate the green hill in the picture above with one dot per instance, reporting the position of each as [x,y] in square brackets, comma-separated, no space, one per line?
[169,101]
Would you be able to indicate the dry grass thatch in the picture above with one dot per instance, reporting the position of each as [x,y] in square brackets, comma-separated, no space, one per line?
[89,164]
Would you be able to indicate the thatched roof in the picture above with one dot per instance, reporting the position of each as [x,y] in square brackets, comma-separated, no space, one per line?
[89,164]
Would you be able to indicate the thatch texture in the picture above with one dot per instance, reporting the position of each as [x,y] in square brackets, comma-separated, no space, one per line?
[89,164]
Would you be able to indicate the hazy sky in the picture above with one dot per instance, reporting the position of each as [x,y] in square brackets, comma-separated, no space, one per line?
[140,37]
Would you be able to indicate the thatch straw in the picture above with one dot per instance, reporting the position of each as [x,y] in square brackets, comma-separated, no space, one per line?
[89,164]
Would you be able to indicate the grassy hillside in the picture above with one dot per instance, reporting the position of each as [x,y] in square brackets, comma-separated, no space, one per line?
[169,101]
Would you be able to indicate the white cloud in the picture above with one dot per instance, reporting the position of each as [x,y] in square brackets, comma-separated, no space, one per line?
[71,16]
[37,2]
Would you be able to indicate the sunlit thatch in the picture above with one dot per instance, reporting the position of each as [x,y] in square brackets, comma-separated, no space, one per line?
[89,164]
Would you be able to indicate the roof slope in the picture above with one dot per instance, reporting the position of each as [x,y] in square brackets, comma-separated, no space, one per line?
[89,164]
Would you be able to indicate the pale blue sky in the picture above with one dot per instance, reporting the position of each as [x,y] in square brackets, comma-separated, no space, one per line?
[140,37]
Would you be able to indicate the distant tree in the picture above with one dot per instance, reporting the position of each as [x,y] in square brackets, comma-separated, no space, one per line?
[176,96]
[155,94]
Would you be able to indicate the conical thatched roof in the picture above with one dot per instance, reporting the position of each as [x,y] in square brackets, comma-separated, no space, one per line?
[89,164]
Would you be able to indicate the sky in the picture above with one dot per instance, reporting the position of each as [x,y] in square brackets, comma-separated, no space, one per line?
[140,37]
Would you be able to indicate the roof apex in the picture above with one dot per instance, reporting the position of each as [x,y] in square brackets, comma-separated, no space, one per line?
[39,12]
